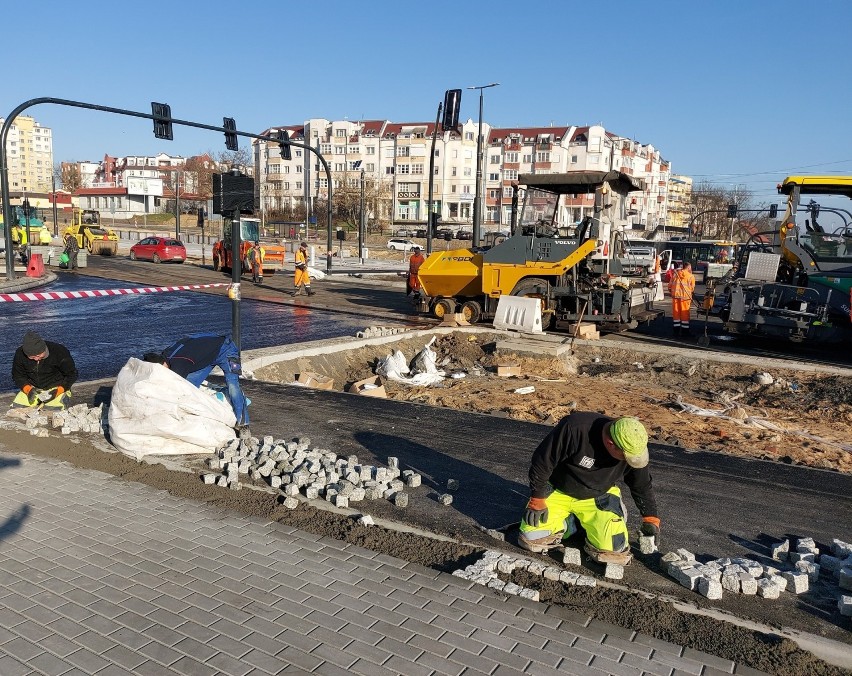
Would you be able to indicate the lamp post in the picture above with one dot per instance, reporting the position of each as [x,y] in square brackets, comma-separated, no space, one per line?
[477,204]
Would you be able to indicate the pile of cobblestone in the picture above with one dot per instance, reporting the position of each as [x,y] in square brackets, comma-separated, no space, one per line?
[78,418]
[295,467]
[376,331]
[791,571]
[487,569]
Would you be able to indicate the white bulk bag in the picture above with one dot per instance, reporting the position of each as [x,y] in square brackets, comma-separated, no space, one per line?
[157,412]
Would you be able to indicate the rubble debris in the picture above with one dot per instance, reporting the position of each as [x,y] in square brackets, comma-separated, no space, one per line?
[315,380]
[376,331]
[762,379]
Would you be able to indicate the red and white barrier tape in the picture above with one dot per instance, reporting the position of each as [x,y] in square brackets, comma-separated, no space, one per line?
[99,293]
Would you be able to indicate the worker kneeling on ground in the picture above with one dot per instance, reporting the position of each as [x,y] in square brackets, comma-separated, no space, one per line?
[44,371]
[195,356]
[572,478]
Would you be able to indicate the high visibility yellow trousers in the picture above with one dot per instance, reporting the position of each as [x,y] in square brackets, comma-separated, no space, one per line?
[603,518]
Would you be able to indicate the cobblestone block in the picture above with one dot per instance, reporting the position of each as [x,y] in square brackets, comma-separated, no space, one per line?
[748,584]
[496,584]
[797,583]
[841,549]
[291,502]
[290,490]
[234,485]
[844,605]
[393,463]
[710,588]
[647,544]
[688,577]
[311,492]
[400,499]
[445,499]
[357,495]
[506,565]
[531,594]
[795,557]
[512,588]
[210,478]
[778,581]
[831,563]
[366,520]
[222,481]
[812,569]
[275,481]
[452,484]
[767,589]
[552,573]
[669,557]
[685,555]
[780,550]
[341,501]
[536,568]
[845,579]
[731,582]
[586,581]
[569,578]
[414,480]
[571,556]
[614,571]
[710,572]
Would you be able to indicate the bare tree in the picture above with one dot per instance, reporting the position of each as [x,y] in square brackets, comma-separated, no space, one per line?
[69,176]
[347,198]
[710,204]
[235,159]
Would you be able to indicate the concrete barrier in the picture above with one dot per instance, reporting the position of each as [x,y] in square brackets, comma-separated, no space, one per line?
[516,313]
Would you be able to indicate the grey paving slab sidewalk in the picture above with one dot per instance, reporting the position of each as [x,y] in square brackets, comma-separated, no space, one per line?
[103,576]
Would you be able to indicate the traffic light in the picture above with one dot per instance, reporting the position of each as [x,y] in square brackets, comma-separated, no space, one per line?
[162,113]
[773,211]
[732,211]
[284,145]
[231,142]
[452,104]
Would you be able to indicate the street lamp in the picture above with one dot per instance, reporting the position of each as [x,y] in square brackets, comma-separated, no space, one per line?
[477,204]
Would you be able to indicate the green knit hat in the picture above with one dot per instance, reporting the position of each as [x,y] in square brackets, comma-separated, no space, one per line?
[631,437]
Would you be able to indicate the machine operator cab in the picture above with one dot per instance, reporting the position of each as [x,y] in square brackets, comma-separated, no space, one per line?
[552,202]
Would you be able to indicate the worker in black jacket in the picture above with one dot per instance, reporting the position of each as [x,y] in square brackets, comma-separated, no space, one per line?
[44,372]
[573,475]
[195,356]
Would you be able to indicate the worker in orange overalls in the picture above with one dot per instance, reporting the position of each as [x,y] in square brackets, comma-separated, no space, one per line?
[255,257]
[303,277]
[412,283]
[680,289]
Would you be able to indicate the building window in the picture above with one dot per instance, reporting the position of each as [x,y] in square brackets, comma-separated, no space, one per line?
[298,168]
[298,185]
[340,133]
[511,157]
[527,159]
[467,171]
[510,174]
[542,157]
[371,167]
[468,136]
[416,168]
[454,171]
[495,159]
[354,150]
[493,177]
[403,151]
[573,159]
[404,169]
[466,189]
[389,170]
[339,166]
[371,150]
[494,194]
[339,150]
[325,148]
[323,183]
[453,188]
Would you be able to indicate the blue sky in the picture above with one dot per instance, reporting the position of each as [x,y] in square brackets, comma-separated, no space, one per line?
[734,92]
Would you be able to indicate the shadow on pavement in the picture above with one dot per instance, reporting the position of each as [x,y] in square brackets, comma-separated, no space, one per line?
[13,523]
[487,498]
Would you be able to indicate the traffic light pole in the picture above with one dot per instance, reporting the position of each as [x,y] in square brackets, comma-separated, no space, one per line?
[429,214]
[162,126]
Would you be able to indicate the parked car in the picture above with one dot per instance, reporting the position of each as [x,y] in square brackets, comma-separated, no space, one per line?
[464,234]
[158,250]
[420,233]
[399,244]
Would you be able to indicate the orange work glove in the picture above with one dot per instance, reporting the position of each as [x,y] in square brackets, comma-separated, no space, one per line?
[26,389]
[651,527]
[536,513]
[60,390]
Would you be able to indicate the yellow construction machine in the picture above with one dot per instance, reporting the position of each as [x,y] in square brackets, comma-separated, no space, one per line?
[579,272]
[96,239]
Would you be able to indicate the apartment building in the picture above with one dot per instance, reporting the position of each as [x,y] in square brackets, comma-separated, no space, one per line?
[29,156]
[393,158]
[679,200]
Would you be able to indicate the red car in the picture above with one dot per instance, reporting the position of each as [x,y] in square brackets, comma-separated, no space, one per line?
[158,249]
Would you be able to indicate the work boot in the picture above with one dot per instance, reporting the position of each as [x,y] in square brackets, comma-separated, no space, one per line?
[622,558]
[259,280]
[541,545]
[308,289]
